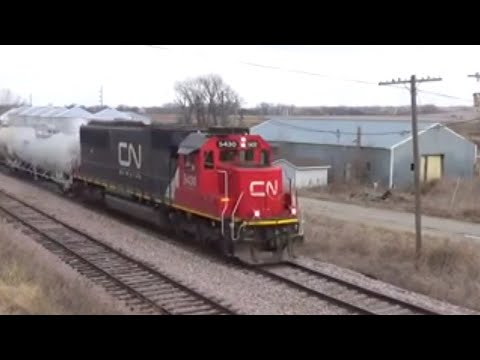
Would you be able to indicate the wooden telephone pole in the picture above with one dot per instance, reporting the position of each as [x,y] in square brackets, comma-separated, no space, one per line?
[476,76]
[416,157]
[101,95]
[476,96]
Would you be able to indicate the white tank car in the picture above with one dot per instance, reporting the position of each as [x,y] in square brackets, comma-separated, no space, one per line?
[46,140]
[53,156]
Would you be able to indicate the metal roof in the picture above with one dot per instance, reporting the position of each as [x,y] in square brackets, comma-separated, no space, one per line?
[138,117]
[53,111]
[40,111]
[374,133]
[302,162]
[77,112]
[111,114]
[13,111]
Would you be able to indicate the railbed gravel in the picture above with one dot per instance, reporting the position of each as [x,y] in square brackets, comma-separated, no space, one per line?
[385,288]
[239,289]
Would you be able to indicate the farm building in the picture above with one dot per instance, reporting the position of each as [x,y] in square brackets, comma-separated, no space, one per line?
[46,118]
[109,114]
[304,173]
[52,118]
[372,151]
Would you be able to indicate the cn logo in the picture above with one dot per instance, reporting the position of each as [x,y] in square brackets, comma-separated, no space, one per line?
[263,188]
[127,153]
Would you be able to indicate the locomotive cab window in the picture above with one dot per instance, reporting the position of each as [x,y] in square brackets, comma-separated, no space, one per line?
[228,155]
[189,161]
[246,155]
[208,160]
[265,158]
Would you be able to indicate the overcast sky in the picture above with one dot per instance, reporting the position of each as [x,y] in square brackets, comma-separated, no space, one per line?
[144,76]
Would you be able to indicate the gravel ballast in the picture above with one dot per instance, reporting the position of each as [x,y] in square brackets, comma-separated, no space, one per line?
[240,289]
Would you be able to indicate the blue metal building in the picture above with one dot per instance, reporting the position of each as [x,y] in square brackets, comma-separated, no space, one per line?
[374,151]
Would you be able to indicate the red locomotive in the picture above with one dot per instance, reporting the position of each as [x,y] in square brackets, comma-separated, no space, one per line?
[217,185]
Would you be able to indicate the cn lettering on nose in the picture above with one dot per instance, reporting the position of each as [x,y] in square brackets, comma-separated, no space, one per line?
[263,188]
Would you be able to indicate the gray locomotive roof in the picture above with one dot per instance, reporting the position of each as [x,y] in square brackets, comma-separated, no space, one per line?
[192,143]
[375,133]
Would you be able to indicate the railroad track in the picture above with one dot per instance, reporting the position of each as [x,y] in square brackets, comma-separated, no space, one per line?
[143,289]
[349,296]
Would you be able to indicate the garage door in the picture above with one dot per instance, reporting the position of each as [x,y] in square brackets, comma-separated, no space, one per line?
[431,167]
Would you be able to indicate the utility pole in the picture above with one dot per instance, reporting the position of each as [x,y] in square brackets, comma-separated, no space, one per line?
[416,157]
[358,169]
[101,95]
[476,76]
[476,96]
[223,123]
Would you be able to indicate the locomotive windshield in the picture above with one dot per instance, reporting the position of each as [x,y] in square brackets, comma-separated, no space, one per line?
[228,155]
[245,158]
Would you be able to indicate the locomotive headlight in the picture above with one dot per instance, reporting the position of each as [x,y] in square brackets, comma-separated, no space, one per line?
[294,211]
[256,213]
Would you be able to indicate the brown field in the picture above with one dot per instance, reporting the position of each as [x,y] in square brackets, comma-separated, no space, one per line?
[33,282]
[448,268]
[468,129]
[249,120]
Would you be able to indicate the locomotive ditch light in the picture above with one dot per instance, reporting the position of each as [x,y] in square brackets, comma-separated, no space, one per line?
[256,213]
[294,211]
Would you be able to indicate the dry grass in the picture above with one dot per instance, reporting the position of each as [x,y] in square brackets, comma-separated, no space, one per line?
[442,198]
[469,129]
[31,282]
[448,269]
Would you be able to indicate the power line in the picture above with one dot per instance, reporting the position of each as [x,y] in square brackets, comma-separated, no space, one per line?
[158,47]
[338,132]
[310,73]
[442,95]
[416,156]
[476,76]
[387,133]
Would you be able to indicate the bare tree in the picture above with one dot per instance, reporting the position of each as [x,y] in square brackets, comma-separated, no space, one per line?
[185,100]
[7,97]
[207,100]
[9,100]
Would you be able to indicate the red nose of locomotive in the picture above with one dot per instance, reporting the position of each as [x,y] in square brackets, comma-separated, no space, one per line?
[260,193]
